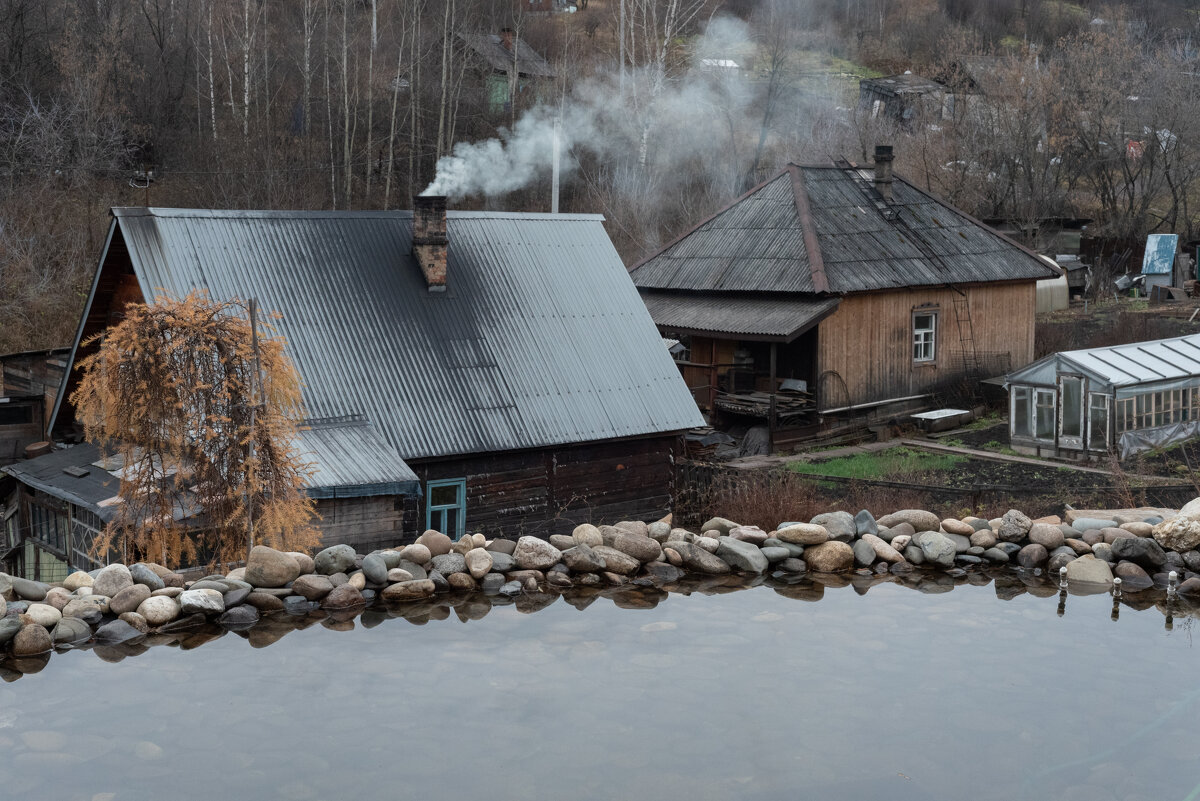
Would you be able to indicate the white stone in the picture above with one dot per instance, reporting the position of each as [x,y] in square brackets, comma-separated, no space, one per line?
[44,615]
[159,609]
[204,601]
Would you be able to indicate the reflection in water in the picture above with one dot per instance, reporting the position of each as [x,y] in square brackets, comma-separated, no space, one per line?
[930,694]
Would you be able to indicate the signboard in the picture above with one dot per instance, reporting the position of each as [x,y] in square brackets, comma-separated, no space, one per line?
[1160,254]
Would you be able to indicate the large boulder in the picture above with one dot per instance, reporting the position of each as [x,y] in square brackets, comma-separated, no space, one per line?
[741,555]
[111,580]
[1142,551]
[533,553]
[936,547]
[267,567]
[128,599]
[720,525]
[312,586]
[1182,532]
[829,557]
[1046,535]
[479,562]
[205,602]
[1089,570]
[865,523]
[1032,555]
[919,519]
[32,639]
[78,579]
[840,525]
[343,597]
[583,559]
[334,559]
[1014,526]
[616,561]
[587,534]
[882,549]
[409,590]
[143,575]
[437,542]
[803,534]
[639,546]
[374,568]
[159,609]
[696,559]
[44,615]
[751,534]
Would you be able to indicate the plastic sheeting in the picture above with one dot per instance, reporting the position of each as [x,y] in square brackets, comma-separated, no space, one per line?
[1132,443]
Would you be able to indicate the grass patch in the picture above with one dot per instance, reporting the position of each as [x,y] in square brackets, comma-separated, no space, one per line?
[894,463]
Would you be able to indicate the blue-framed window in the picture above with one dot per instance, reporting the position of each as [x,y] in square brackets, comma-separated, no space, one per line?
[446,506]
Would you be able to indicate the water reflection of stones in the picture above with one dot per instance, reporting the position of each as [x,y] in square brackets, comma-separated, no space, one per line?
[196,631]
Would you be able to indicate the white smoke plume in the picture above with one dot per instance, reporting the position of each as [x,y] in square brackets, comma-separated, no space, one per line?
[658,127]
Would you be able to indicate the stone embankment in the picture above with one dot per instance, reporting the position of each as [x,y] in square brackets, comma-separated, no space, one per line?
[119,604]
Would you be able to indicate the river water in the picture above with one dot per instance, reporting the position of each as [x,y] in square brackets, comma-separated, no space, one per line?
[890,694]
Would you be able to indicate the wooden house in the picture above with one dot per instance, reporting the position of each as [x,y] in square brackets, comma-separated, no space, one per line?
[507,68]
[469,371]
[860,293]
[29,382]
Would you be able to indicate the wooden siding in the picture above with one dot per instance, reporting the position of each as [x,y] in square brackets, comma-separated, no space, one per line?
[116,288]
[365,523]
[865,347]
[552,491]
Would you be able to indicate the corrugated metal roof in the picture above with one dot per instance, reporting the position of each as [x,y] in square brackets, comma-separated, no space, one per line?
[351,458]
[540,339]
[906,83]
[499,57]
[757,243]
[46,474]
[1149,362]
[771,318]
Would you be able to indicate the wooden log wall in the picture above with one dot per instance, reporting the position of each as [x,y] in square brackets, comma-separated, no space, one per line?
[366,523]
[552,491]
[868,340]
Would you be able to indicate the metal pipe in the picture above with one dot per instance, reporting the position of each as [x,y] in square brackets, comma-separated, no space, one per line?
[872,404]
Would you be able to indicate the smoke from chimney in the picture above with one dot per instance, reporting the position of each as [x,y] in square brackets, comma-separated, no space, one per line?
[430,245]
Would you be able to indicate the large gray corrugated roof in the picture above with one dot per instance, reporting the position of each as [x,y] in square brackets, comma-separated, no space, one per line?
[763,242]
[540,339]
[770,319]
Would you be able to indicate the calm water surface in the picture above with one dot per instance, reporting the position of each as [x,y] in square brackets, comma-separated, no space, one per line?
[893,695]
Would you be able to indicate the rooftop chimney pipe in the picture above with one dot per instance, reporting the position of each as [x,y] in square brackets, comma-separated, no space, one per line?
[430,244]
[883,171]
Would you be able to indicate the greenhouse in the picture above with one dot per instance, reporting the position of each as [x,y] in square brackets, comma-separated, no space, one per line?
[1126,399]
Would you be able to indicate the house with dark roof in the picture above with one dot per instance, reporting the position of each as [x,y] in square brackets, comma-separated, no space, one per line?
[506,67]
[906,98]
[463,371]
[835,291]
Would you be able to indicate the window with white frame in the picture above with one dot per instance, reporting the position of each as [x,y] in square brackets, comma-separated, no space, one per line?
[924,325]
[1097,421]
[1022,412]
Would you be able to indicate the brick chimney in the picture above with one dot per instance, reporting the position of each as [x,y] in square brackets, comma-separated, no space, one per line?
[883,171]
[508,38]
[429,242]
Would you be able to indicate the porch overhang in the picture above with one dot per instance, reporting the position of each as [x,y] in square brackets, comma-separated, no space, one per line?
[730,316]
